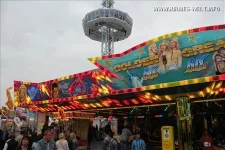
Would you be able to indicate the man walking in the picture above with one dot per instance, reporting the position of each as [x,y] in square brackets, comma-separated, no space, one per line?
[47,143]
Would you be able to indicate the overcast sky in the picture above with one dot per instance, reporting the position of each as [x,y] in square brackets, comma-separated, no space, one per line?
[44,40]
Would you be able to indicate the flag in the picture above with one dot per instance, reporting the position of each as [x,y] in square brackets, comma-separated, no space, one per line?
[9,102]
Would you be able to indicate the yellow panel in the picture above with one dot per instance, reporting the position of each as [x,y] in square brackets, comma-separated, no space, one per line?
[167,138]
[91,60]
[155,40]
[168,35]
[179,33]
[147,87]
[144,88]
[151,41]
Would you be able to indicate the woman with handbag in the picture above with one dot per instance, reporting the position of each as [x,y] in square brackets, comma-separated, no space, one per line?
[62,144]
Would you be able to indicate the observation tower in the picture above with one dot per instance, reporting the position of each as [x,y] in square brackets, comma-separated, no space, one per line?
[107,25]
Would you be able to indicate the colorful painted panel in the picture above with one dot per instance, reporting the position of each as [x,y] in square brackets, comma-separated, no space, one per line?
[75,86]
[26,92]
[93,82]
[177,58]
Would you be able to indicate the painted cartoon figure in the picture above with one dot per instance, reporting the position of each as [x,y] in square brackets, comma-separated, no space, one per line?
[135,80]
[32,92]
[164,57]
[78,87]
[63,89]
[55,93]
[170,56]
[219,61]
[153,54]
[176,55]
[153,51]
[22,93]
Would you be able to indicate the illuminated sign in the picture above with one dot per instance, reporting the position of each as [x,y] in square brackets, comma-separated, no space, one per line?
[171,59]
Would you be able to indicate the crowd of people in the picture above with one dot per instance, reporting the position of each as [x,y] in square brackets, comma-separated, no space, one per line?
[48,140]
[111,143]
[51,138]
[127,140]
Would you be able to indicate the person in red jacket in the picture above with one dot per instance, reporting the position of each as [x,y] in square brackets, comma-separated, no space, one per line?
[207,141]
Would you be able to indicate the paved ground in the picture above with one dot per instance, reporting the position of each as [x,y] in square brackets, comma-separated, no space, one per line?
[97,145]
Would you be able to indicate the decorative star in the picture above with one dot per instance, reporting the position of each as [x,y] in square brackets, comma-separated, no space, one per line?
[192,38]
[140,52]
[108,63]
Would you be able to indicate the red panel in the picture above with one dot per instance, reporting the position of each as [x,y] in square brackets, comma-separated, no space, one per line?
[213,78]
[142,44]
[202,29]
[222,77]
[196,29]
[133,48]
[222,26]
[134,89]
[121,54]
[137,47]
[129,50]
[116,92]
[105,57]
[209,28]
[125,91]
[113,92]
[215,27]
[126,52]
[114,55]
[117,55]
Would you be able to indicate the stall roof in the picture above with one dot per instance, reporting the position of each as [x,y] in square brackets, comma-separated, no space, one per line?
[157,97]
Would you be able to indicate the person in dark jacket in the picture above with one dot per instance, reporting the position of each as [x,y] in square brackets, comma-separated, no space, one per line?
[24,144]
[113,144]
[45,128]
[4,136]
[73,143]
[33,138]
[108,128]
[90,135]
[11,144]
[35,142]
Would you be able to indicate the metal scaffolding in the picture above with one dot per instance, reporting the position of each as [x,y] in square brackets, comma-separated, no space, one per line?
[107,33]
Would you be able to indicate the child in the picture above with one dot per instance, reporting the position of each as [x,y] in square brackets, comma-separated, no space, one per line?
[138,143]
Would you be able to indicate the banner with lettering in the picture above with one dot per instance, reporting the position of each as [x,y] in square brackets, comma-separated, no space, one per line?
[172,59]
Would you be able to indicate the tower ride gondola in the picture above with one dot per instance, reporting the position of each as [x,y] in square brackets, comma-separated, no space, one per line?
[107,25]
